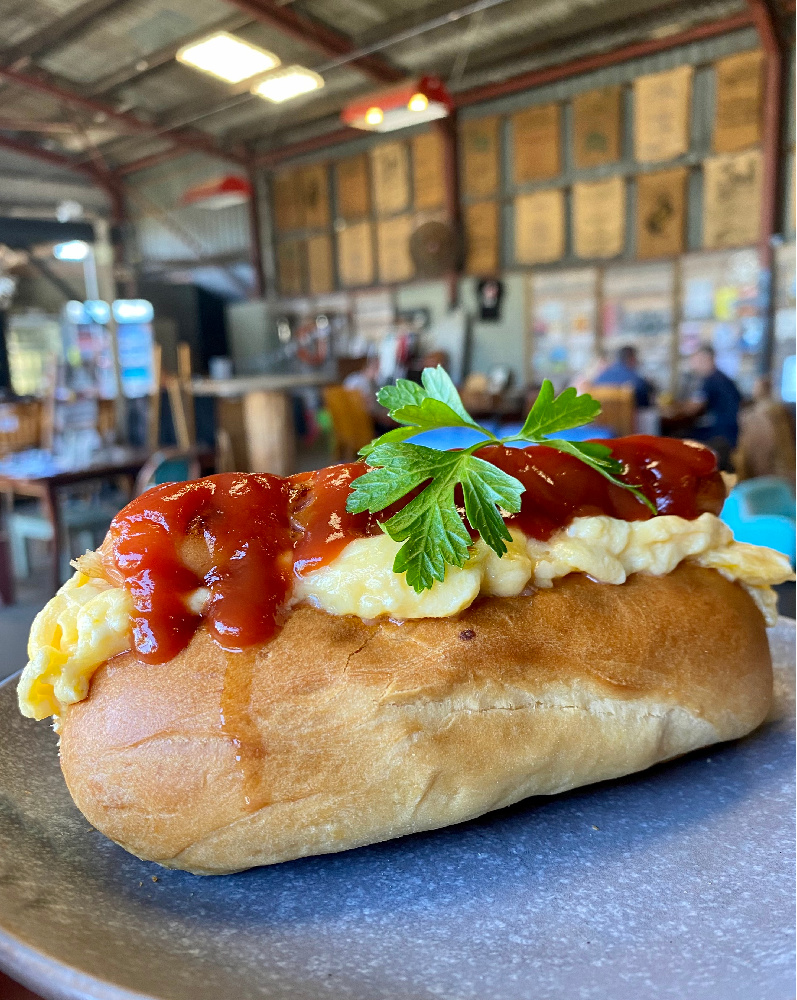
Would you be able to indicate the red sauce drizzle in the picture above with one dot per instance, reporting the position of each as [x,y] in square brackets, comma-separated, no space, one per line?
[243,521]
[253,531]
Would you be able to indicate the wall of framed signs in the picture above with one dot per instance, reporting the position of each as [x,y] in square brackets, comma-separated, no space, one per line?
[641,174]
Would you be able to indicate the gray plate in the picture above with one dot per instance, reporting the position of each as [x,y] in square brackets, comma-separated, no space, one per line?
[675,883]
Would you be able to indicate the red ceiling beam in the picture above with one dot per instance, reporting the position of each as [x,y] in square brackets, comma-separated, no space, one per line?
[586,64]
[154,160]
[272,157]
[318,36]
[770,140]
[55,159]
[526,81]
[198,142]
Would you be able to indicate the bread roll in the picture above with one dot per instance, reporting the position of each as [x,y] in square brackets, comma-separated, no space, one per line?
[341,733]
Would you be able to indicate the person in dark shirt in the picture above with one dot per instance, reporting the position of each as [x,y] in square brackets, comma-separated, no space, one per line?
[715,406]
[624,372]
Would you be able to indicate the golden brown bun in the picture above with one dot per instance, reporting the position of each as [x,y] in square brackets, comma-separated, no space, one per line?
[341,733]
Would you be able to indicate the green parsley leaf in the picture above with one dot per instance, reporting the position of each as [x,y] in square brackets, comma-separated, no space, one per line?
[430,525]
[550,414]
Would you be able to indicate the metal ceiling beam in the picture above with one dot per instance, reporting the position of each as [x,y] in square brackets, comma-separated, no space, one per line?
[587,64]
[273,157]
[526,81]
[188,139]
[60,31]
[153,160]
[48,156]
[318,36]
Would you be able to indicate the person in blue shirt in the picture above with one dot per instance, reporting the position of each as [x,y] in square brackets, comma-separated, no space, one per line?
[716,403]
[624,372]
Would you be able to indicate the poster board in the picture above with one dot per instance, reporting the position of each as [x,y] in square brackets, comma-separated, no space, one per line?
[428,174]
[320,276]
[393,249]
[390,173]
[597,127]
[638,304]
[356,255]
[732,199]
[599,218]
[721,306]
[563,323]
[539,227]
[314,195]
[661,114]
[661,213]
[480,143]
[739,89]
[287,201]
[536,153]
[481,237]
[353,182]
[290,266]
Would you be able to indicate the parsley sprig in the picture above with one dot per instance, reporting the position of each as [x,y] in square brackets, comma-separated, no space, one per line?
[431,525]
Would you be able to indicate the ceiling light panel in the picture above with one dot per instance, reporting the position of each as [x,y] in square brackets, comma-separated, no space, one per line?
[227,57]
[287,83]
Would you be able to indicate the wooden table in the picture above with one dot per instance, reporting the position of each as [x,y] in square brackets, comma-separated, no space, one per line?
[263,423]
[46,485]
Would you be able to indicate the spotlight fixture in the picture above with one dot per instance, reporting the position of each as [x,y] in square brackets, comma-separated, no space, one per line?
[287,83]
[408,104]
[227,57]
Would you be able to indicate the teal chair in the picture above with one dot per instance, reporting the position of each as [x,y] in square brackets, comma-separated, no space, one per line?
[169,465]
[761,511]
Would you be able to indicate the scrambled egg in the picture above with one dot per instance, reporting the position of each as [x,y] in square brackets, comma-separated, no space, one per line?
[86,623]
[88,620]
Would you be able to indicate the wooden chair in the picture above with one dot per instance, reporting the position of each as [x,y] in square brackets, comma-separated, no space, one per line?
[618,407]
[20,426]
[352,424]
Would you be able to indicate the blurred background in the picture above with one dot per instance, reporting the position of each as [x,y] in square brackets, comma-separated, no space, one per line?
[225,223]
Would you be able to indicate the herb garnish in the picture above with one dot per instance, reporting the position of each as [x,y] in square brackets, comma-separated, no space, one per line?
[430,525]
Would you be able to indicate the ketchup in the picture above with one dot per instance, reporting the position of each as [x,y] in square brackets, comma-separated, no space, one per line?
[253,531]
[243,522]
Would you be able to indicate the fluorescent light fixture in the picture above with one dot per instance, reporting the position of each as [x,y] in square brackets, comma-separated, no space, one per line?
[133,311]
[73,250]
[227,57]
[287,83]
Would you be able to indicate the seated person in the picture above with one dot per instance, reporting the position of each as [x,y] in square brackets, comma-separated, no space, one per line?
[624,372]
[714,408]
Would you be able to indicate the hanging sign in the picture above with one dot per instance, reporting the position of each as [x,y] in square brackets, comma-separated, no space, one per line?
[480,145]
[732,199]
[535,143]
[481,237]
[661,114]
[539,227]
[596,127]
[599,218]
[660,213]
[737,119]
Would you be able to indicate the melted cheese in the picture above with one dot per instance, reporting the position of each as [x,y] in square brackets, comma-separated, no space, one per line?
[88,620]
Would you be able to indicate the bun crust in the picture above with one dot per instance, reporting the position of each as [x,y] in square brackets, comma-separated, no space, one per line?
[341,733]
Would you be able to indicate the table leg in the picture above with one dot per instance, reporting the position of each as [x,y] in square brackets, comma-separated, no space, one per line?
[270,438]
[50,501]
[7,586]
